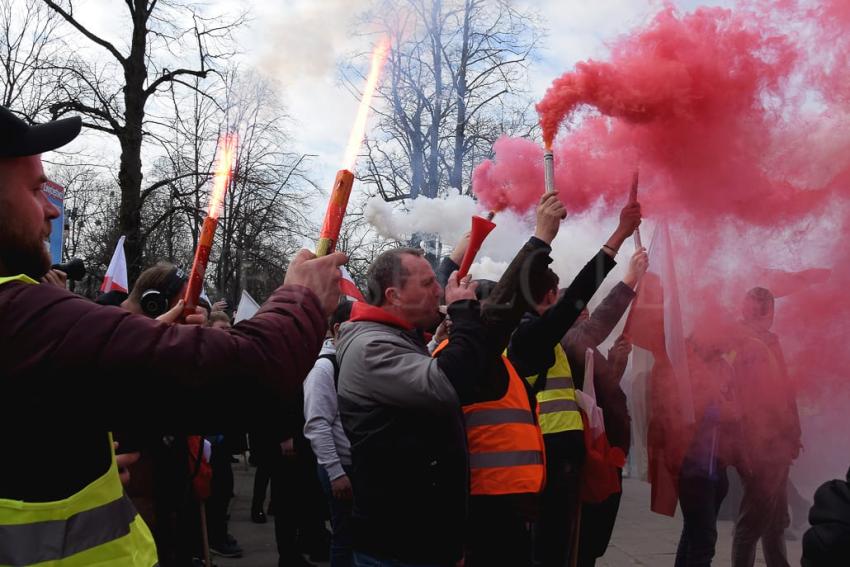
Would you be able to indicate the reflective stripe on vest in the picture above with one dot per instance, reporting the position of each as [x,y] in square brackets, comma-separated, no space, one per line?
[506,454]
[505,459]
[96,526]
[557,401]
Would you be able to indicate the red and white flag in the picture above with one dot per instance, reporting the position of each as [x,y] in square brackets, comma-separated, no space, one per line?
[600,476]
[116,274]
[655,324]
[347,286]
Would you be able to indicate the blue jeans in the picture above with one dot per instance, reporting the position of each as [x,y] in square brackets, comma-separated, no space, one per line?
[363,560]
[340,522]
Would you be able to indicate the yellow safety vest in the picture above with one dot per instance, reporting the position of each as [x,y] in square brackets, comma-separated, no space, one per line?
[96,526]
[23,278]
[557,401]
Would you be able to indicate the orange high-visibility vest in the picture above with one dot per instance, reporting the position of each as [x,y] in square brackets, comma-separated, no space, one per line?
[506,452]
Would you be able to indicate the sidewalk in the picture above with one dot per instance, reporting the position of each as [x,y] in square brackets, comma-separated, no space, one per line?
[640,537]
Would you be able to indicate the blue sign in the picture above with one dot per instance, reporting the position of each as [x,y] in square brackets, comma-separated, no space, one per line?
[56,195]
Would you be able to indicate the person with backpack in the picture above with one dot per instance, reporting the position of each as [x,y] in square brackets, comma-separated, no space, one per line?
[323,428]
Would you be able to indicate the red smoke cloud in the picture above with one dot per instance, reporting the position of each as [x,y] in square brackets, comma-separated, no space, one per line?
[740,127]
[693,101]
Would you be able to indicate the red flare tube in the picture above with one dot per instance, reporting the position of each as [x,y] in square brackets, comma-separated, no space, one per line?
[481,227]
[199,265]
[337,205]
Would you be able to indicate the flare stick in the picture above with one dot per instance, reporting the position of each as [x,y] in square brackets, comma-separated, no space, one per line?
[335,212]
[549,170]
[221,180]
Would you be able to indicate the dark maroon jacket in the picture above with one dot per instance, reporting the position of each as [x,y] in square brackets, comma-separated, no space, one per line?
[71,370]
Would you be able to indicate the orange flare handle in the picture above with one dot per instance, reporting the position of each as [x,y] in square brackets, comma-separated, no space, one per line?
[335,213]
[199,265]
[481,227]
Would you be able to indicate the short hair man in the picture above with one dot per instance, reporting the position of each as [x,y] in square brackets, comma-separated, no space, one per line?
[79,369]
[400,409]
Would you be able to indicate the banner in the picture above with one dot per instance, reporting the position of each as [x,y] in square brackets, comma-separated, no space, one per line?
[56,195]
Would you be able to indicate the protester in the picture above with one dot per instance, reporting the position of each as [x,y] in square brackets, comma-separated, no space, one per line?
[504,440]
[219,320]
[264,449]
[827,542]
[323,428]
[297,499]
[703,483]
[64,355]
[536,353]
[589,331]
[221,542]
[160,484]
[401,411]
[770,434]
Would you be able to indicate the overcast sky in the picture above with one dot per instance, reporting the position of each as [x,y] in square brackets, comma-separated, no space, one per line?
[299,43]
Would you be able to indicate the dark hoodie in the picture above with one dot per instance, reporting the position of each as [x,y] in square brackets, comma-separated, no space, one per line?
[827,542]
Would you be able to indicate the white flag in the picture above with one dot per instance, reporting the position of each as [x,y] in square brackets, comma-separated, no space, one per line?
[247,307]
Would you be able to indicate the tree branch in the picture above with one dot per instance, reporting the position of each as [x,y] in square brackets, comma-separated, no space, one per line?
[170,76]
[83,30]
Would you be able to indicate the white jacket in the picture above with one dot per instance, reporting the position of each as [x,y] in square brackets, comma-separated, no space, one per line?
[321,414]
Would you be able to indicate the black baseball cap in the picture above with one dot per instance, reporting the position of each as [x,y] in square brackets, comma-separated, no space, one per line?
[19,139]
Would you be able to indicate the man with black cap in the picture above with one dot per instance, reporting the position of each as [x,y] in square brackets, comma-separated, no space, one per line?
[65,360]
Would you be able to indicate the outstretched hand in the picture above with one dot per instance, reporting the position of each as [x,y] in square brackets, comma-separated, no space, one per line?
[320,275]
[550,213]
[173,315]
[638,265]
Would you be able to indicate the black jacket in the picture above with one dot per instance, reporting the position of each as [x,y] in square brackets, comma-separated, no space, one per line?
[589,334]
[532,347]
[827,543]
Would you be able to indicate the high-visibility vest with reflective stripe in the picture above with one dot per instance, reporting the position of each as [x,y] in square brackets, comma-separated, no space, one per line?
[506,454]
[556,402]
[96,526]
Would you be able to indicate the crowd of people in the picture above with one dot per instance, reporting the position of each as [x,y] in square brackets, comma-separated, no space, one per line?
[437,423]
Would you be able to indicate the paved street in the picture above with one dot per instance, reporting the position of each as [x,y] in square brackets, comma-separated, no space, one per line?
[640,537]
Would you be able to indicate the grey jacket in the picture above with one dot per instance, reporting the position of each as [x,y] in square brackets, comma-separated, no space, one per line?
[322,424]
[401,409]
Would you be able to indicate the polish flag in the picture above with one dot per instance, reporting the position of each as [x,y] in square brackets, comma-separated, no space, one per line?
[348,287]
[655,324]
[116,274]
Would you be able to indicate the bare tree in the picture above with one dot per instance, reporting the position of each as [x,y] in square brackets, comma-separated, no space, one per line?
[454,83]
[28,44]
[114,96]
[91,228]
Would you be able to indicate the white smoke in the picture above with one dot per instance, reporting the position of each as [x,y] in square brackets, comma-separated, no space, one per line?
[580,237]
[449,218]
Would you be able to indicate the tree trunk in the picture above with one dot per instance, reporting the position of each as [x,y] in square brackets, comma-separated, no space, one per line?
[130,169]
[456,175]
[437,109]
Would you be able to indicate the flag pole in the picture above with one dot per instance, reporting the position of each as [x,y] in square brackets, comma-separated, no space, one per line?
[632,200]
